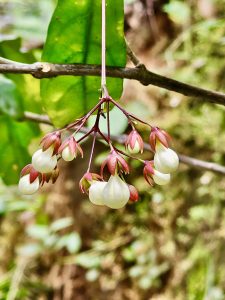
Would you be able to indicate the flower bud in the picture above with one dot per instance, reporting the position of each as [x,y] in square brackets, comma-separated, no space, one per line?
[96,192]
[44,161]
[134,143]
[26,187]
[116,193]
[87,180]
[69,149]
[115,163]
[161,178]
[165,160]
[133,193]
[52,140]
[158,135]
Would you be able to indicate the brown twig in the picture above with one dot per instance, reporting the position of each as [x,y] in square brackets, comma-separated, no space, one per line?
[196,163]
[139,73]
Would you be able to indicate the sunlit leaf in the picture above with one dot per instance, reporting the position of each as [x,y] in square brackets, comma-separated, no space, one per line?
[74,36]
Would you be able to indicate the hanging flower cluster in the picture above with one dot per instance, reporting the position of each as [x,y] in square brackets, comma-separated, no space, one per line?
[114,192]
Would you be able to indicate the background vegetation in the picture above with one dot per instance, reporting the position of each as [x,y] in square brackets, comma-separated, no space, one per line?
[168,246]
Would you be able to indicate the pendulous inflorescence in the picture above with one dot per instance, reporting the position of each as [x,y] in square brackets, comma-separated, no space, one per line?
[113,192]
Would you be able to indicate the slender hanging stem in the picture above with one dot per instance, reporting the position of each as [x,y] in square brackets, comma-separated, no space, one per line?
[128,155]
[85,118]
[86,135]
[108,120]
[95,128]
[92,151]
[103,74]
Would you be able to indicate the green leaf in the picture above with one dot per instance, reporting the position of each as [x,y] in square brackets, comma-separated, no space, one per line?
[26,85]
[15,138]
[74,36]
[11,102]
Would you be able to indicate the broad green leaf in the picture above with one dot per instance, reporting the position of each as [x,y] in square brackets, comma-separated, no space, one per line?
[11,102]
[74,36]
[15,138]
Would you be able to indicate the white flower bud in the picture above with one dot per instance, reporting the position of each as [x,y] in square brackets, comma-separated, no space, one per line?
[161,178]
[165,160]
[116,193]
[27,188]
[67,155]
[96,192]
[43,161]
[136,148]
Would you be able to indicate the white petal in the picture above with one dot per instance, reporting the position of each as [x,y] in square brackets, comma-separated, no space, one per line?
[96,192]
[27,188]
[116,193]
[166,160]
[161,178]
[43,161]
[67,155]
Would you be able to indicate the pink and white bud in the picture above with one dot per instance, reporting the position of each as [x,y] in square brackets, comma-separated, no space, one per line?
[159,135]
[115,163]
[96,192]
[27,187]
[52,140]
[161,178]
[134,143]
[133,193]
[44,161]
[165,160]
[116,193]
[87,180]
[70,149]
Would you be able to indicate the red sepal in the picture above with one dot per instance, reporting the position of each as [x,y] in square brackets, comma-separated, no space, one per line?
[134,197]
[148,171]
[51,139]
[115,162]
[29,169]
[161,135]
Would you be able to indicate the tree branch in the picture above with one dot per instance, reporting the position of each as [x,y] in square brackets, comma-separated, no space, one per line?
[196,163]
[139,73]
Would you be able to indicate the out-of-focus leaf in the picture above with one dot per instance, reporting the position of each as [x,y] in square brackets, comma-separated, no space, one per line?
[29,250]
[178,11]
[118,122]
[15,138]
[10,99]
[61,224]
[70,241]
[73,242]
[40,232]
[88,260]
[74,36]
[27,86]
